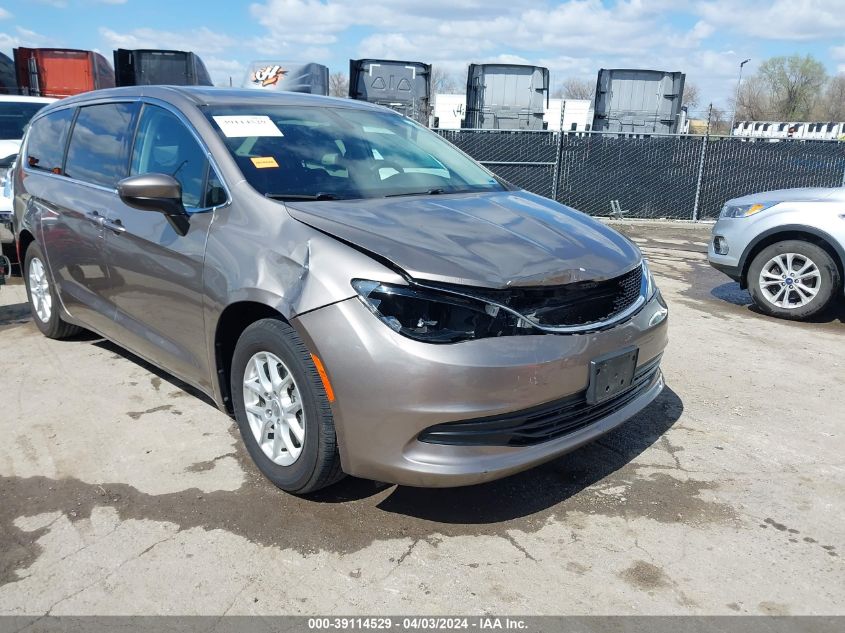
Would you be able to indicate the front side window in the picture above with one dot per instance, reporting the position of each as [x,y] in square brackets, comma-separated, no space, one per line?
[308,152]
[99,143]
[164,145]
[46,145]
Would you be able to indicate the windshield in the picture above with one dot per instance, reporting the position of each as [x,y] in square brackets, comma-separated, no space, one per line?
[319,153]
[14,116]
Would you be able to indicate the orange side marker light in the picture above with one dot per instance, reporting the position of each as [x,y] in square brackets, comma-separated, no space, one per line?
[324,377]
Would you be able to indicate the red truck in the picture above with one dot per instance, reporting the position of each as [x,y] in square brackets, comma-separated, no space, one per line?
[61,72]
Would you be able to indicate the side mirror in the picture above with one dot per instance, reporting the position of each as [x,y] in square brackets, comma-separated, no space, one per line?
[156,192]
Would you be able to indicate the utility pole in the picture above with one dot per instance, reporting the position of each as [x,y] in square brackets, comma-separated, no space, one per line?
[736,101]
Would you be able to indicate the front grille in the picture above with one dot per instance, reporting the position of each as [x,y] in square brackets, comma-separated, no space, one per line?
[538,424]
[580,303]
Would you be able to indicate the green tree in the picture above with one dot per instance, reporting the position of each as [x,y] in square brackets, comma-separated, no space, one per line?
[794,85]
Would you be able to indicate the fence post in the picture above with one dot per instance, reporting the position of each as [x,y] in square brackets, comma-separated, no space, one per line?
[558,151]
[704,142]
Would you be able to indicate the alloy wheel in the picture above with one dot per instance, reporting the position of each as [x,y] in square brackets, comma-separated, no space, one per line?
[274,408]
[790,280]
[39,290]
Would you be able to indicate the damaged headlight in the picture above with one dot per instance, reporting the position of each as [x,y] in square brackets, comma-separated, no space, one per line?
[435,317]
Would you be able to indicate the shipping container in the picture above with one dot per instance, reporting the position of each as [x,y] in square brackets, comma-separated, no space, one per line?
[8,81]
[506,97]
[305,77]
[155,67]
[402,86]
[61,72]
[638,101]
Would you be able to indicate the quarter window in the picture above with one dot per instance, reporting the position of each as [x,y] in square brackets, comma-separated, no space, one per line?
[46,145]
[165,146]
[99,144]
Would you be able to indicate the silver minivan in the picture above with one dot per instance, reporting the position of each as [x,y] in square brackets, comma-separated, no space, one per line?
[362,296]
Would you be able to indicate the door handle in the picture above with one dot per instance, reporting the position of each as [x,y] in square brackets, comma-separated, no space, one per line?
[95,217]
[114,225]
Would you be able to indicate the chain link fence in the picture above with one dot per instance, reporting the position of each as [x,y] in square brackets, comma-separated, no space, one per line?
[685,177]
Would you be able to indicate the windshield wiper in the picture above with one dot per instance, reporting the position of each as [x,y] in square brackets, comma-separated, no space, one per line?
[431,192]
[301,196]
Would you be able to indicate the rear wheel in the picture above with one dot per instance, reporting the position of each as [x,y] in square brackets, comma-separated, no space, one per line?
[282,409]
[43,299]
[793,279]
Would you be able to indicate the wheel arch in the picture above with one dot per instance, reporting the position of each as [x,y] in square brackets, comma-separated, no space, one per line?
[231,323]
[25,238]
[792,232]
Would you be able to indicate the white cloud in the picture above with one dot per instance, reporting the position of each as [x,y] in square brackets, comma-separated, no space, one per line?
[23,37]
[221,70]
[200,40]
[838,54]
[4,15]
[777,19]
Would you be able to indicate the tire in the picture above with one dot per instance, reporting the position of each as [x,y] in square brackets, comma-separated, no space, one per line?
[795,298]
[272,345]
[49,322]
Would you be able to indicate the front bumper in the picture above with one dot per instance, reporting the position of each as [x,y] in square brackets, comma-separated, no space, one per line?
[731,233]
[389,389]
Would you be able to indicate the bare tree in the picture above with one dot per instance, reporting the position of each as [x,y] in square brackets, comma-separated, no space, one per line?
[719,121]
[692,96]
[338,85]
[574,88]
[753,102]
[831,107]
[442,82]
[794,84]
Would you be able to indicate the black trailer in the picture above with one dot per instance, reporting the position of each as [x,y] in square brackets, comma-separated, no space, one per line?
[402,86]
[8,81]
[155,67]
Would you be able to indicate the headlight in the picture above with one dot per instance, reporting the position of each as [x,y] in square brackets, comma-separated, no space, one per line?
[744,210]
[434,317]
[647,286]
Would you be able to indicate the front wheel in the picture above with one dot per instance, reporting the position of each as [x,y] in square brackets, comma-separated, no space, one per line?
[793,279]
[282,409]
[43,298]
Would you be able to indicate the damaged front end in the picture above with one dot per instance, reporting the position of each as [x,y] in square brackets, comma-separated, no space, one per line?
[448,313]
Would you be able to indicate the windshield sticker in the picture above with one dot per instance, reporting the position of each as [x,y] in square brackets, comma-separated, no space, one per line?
[263,162]
[243,126]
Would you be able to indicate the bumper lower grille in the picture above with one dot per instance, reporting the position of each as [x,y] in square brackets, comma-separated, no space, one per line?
[538,424]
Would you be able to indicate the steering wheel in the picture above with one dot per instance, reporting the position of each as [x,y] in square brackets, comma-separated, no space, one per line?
[378,165]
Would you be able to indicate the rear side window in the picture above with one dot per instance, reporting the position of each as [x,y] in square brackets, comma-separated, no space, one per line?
[165,146]
[46,145]
[99,144]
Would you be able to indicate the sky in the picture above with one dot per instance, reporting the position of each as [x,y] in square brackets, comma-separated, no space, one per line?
[706,39]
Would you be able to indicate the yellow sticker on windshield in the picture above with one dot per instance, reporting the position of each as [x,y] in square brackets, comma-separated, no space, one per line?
[263,162]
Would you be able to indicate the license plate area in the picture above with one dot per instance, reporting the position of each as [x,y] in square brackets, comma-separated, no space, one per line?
[611,374]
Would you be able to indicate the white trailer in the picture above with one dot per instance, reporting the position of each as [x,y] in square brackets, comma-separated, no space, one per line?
[577,114]
[449,111]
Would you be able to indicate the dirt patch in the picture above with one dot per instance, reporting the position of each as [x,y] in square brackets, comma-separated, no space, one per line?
[645,576]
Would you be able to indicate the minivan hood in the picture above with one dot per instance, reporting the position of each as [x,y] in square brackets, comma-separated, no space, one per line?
[805,194]
[490,240]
